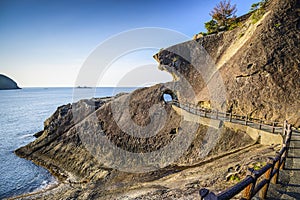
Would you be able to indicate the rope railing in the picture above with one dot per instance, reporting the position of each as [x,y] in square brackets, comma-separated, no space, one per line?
[250,186]
[216,114]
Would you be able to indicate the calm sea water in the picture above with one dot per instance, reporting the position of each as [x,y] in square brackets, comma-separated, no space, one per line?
[22,113]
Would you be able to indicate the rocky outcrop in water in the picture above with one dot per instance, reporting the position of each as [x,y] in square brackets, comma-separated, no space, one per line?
[135,146]
[7,83]
[73,145]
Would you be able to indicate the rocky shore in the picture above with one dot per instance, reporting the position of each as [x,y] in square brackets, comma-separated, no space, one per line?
[94,174]
[132,147]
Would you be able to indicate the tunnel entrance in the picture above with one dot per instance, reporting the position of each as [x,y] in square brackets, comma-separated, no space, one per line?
[168,96]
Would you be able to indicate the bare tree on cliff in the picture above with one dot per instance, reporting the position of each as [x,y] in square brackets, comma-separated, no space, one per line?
[223,13]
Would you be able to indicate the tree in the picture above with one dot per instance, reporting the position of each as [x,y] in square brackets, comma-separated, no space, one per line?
[211,26]
[254,7]
[223,12]
[258,10]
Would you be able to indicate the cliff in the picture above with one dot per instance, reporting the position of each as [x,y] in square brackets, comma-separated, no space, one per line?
[257,63]
[91,144]
[135,146]
[7,83]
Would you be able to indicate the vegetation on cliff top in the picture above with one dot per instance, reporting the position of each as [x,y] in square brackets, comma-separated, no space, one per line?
[224,18]
[258,10]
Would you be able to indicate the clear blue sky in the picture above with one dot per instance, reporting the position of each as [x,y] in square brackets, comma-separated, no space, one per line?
[45,42]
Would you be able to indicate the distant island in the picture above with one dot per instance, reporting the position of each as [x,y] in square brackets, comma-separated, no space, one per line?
[7,83]
[84,87]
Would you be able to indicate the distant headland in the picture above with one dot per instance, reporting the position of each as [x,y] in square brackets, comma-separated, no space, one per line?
[7,83]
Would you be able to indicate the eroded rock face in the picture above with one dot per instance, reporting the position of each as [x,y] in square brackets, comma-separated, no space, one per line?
[78,153]
[258,63]
[89,145]
[58,148]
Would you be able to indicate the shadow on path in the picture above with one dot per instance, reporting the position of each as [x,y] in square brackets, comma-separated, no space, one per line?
[289,179]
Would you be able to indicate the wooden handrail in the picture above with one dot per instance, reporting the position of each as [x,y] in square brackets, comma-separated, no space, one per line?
[198,110]
[249,185]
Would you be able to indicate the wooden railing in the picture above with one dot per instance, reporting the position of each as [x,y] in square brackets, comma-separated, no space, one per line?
[257,181]
[215,114]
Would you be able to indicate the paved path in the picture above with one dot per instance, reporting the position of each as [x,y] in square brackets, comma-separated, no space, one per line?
[200,113]
[289,179]
[293,186]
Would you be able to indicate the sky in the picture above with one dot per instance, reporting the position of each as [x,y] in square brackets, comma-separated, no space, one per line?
[45,43]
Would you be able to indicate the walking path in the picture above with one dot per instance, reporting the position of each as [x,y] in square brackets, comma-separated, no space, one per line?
[289,181]
[293,188]
[288,186]
[268,126]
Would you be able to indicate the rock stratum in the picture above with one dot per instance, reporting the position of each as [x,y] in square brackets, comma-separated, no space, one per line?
[132,147]
[257,62]
[7,83]
[73,147]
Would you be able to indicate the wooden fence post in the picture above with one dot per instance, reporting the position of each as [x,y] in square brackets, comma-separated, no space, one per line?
[250,188]
[217,114]
[282,166]
[204,112]
[230,117]
[248,191]
[285,124]
[276,167]
[246,120]
[288,131]
[260,124]
[273,127]
[284,127]
[263,192]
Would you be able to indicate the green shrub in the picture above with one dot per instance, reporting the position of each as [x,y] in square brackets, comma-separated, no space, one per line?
[257,166]
[234,24]
[277,25]
[234,178]
[223,17]
[203,33]
[211,26]
[258,10]
[257,15]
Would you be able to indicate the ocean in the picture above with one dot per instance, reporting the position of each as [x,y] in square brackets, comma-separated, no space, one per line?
[22,113]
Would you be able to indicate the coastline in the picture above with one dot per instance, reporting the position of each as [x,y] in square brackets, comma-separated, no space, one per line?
[38,192]
[62,153]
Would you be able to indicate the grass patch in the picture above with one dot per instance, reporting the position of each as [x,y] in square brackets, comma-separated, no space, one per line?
[241,35]
[257,15]
[235,178]
[277,25]
[258,165]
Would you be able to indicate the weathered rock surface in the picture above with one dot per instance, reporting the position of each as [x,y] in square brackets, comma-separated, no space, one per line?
[56,149]
[73,145]
[7,83]
[258,63]
[135,146]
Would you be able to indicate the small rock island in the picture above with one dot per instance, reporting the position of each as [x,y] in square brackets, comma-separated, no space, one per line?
[7,83]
